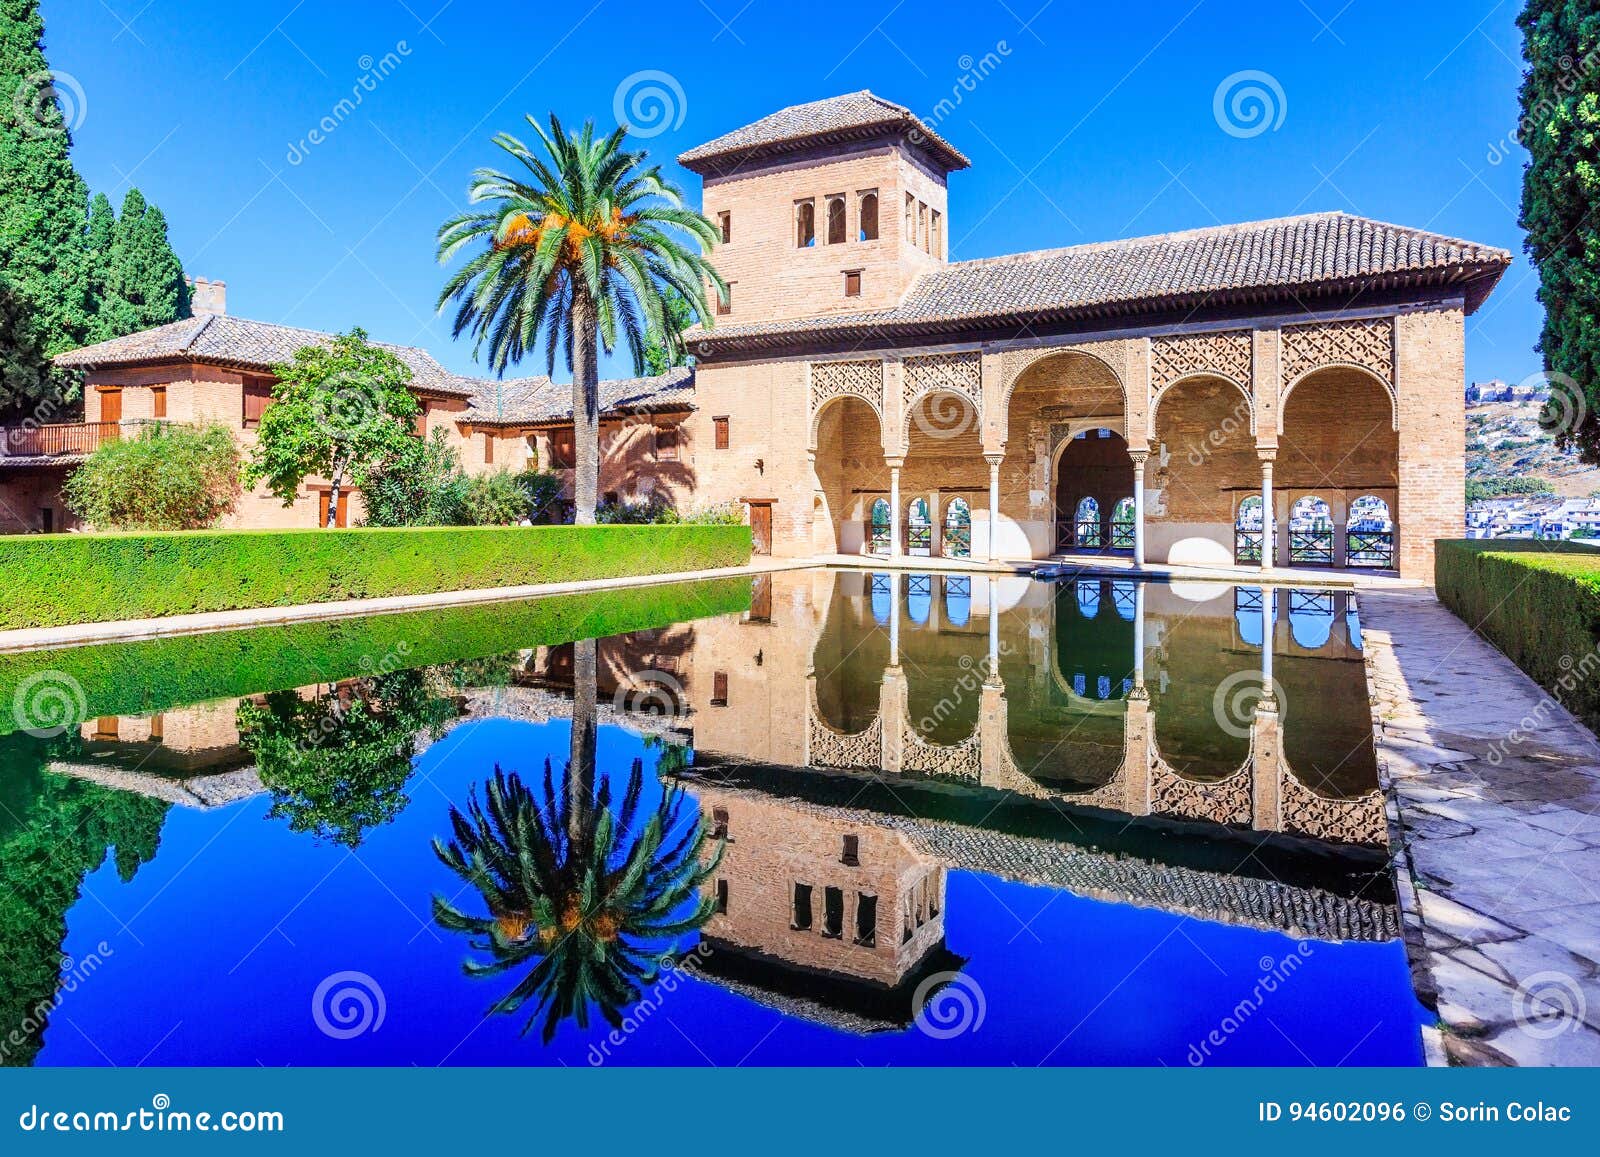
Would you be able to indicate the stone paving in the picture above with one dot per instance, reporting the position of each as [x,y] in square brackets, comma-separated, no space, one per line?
[1493,793]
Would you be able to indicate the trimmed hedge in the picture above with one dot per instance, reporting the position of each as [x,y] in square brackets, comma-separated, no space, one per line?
[1539,602]
[159,674]
[56,579]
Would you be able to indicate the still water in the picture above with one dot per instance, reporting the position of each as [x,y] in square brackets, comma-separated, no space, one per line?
[830,817]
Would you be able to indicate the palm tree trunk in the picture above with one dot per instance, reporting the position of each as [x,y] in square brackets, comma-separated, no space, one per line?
[581,771]
[585,406]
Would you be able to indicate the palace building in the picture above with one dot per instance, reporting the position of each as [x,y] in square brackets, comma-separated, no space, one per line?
[1281,392]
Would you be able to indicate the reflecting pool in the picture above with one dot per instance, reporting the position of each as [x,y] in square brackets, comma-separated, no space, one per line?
[829,817]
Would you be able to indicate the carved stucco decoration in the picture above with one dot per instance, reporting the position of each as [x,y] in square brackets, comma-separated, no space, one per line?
[859,379]
[1225,353]
[1015,362]
[959,373]
[861,751]
[1225,801]
[1367,343]
[1352,821]
[962,760]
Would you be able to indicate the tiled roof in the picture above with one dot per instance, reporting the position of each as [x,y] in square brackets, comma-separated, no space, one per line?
[529,401]
[236,341]
[1288,259]
[854,116]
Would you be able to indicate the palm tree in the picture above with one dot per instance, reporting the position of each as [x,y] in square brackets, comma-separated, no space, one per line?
[584,249]
[577,889]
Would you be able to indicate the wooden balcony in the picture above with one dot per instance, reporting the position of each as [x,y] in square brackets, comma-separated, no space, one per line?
[64,440]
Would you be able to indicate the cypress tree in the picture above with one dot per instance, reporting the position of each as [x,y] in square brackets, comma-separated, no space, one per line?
[145,285]
[1560,128]
[42,198]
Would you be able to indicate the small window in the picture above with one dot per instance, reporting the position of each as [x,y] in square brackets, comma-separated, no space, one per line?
[722,897]
[805,224]
[835,220]
[563,449]
[867,216]
[866,920]
[257,397]
[725,223]
[911,219]
[850,854]
[719,689]
[666,443]
[419,425]
[719,427]
[922,226]
[852,283]
[832,913]
[937,244]
[488,447]
[158,401]
[800,921]
[719,823]
[725,300]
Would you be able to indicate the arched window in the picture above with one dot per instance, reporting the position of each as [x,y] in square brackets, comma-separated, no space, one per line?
[1086,524]
[911,220]
[958,529]
[958,600]
[835,220]
[1088,593]
[805,225]
[919,528]
[1369,533]
[1122,528]
[878,527]
[1311,532]
[1247,530]
[867,214]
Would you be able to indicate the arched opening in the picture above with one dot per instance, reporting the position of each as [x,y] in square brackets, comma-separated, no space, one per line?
[1310,532]
[1338,442]
[852,477]
[957,529]
[835,220]
[1063,392]
[958,600]
[852,651]
[1204,458]
[919,528]
[1369,533]
[1093,476]
[880,527]
[805,225]
[867,213]
[1248,529]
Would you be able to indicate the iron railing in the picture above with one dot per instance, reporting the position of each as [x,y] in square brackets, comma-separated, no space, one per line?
[1247,546]
[958,541]
[1374,548]
[1122,533]
[55,441]
[878,538]
[919,536]
[1311,547]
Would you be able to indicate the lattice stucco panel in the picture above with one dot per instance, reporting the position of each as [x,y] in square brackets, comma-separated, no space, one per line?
[1368,343]
[962,760]
[1226,801]
[954,373]
[860,379]
[1226,353]
[1352,821]
[863,750]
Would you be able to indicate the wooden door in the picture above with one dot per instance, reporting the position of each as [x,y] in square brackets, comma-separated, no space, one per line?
[111,405]
[322,508]
[761,526]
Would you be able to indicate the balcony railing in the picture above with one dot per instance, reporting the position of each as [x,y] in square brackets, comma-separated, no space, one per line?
[56,441]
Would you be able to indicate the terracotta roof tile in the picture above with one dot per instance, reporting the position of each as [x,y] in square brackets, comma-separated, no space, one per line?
[529,401]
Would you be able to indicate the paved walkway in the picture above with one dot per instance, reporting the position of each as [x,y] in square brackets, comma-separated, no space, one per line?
[1493,792]
[41,638]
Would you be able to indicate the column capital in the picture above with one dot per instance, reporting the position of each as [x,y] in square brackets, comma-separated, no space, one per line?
[1138,456]
[1268,455]
[994,460]
[894,463]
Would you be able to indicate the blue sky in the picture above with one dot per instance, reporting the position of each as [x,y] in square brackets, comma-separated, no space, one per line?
[1093,122]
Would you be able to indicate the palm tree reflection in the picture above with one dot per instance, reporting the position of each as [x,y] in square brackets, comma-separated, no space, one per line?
[591,891]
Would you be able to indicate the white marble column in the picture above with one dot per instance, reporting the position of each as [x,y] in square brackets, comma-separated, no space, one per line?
[894,618]
[1138,457]
[994,506]
[896,530]
[1138,634]
[994,629]
[1269,597]
[1269,514]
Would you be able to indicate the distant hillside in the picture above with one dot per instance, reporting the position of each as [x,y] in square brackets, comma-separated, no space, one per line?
[1504,441]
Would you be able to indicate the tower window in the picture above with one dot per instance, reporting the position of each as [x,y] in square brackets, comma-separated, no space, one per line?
[922,226]
[725,299]
[866,920]
[805,224]
[835,220]
[852,283]
[911,219]
[937,247]
[722,897]
[719,432]
[850,854]
[801,920]
[867,216]
[832,912]
[725,223]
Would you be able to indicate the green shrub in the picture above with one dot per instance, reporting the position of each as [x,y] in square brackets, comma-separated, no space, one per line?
[1539,602]
[506,498]
[657,510]
[57,579]
[1480,488]
[168,477]
[422,485]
